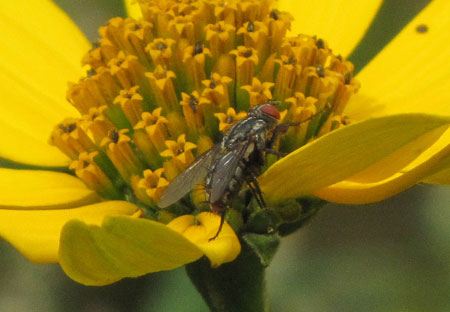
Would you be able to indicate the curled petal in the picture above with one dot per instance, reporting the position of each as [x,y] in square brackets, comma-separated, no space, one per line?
[442,174]
[441,177]
[351,192]
[350,150]
[201,228]
[121,247]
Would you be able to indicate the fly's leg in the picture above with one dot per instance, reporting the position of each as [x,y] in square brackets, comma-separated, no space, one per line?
[256,195]
[274,152]
[279,130]
[256,190]
[284,127]
[222,220]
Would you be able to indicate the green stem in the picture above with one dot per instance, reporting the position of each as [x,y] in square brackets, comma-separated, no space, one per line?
[235,286]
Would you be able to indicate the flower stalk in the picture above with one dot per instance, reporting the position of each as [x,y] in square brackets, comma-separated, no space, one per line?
[239,285]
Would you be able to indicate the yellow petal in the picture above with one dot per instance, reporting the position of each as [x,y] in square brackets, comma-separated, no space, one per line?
[405,158]
[21,146]
[441,177]
[412,73]
[121,247]
[36,233]
[349,150]
[34,189]
[40,51]
[201,228]
[340,23]
[350,192]
[133,9]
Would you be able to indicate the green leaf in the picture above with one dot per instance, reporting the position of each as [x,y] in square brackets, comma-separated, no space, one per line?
[264,246]
[348,151]
[121,247]
[309,207]
[262,221]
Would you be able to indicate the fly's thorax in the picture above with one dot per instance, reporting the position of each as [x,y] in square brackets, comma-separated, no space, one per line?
[244,130]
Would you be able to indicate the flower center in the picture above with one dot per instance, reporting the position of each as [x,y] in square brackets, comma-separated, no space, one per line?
[162,90]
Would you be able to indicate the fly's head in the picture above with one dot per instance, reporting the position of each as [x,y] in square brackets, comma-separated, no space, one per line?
[267,112]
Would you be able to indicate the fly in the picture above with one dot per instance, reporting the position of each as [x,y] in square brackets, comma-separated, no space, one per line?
[236,160]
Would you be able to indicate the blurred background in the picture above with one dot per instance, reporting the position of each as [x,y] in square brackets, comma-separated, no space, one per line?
[389,256]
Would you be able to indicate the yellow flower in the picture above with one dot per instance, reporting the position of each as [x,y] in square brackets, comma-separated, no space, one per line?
[397,134]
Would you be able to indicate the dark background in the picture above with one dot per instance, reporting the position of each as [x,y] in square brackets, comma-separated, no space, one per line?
[389,256]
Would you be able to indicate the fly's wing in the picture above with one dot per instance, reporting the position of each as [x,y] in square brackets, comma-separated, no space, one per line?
[185,181]
[225,169]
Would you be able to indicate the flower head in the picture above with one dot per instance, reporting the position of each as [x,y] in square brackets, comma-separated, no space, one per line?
[160,89]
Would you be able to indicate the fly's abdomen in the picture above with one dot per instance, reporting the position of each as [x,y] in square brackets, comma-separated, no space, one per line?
[219,196]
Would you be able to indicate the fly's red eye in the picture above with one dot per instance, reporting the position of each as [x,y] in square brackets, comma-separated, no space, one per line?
[271,111]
